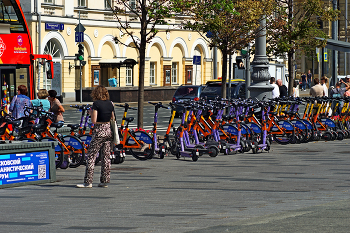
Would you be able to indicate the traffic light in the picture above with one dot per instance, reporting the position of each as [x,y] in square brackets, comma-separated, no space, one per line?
[80,54]
[240,63]
[49,69]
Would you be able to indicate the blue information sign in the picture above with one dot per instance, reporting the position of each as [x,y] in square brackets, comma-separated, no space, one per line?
[54,26]
[24,167]
[196,60]
[79,36]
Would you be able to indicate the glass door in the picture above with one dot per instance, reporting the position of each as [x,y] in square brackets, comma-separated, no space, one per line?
[167,75]
[8,85]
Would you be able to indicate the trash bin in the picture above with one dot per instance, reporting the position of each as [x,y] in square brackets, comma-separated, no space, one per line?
[112,82]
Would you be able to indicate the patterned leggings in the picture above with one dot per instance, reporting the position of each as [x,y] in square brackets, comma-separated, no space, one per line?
[101,137]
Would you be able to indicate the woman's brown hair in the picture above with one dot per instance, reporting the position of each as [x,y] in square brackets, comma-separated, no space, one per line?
[100,93]
[42,94]
[23,89]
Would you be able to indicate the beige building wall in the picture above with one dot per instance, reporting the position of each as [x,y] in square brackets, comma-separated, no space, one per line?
[175,47]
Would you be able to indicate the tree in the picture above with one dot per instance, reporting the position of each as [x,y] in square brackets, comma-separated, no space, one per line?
[225,24]
[148,14]
[294,26]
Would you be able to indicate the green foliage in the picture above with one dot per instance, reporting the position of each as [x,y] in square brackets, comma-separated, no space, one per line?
[232,24]
[294,25]
[148,13]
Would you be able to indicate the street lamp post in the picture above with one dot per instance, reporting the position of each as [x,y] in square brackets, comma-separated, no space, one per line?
[261,86]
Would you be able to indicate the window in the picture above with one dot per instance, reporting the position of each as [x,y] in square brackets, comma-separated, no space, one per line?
[49,1]
[11,14]
[152,73]
[128,76]
[174,69]
[82,3]
[132,4]
[108,4]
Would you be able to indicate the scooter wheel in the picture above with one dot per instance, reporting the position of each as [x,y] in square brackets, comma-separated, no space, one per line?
[213,151]
[268,146]
[341,135]
[194,157]
[227,151]
[327,136]
[248,146]
[242,147]
[118,159]
[255,150]
[64,165]
[334,135]
[162,151]
[254,146]
[174,149]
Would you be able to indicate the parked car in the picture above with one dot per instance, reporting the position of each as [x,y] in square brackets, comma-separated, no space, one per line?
[184,93]
[213,89]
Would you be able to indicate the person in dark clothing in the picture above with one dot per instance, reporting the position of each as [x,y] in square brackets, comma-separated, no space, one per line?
[283,89]
[303,81]
[309,78]
[101,113]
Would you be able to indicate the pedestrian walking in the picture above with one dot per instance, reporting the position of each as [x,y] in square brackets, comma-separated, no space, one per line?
[309,78]
[19,102]
[101,113]
[56,106]
[275,90]
[303,81]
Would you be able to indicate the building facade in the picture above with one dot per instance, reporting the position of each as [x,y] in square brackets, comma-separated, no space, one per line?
[169,57]
[332,61]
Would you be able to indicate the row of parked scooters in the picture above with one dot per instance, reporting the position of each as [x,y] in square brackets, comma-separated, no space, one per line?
[219,126]
[231,126]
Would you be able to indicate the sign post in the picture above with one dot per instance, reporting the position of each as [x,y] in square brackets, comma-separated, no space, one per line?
[196,61]
[79,37]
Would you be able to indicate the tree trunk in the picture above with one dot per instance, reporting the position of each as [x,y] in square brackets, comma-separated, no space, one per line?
[141,97]
[291,73]
[224,73]
[142,50]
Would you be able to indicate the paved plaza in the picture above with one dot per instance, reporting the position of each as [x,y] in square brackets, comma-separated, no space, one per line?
[294,188]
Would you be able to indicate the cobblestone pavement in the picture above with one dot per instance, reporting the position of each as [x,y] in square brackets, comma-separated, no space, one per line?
[294,188]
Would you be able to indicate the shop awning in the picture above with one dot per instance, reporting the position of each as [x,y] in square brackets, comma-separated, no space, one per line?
[114,63]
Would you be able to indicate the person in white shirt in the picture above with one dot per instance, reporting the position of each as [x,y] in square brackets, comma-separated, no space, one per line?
[324,80]
[296,89]
[276,90]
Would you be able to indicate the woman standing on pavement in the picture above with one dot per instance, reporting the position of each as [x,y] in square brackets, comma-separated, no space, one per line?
[101,113]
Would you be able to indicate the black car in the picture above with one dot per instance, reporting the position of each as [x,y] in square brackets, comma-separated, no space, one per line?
[186,92]
[213,89]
